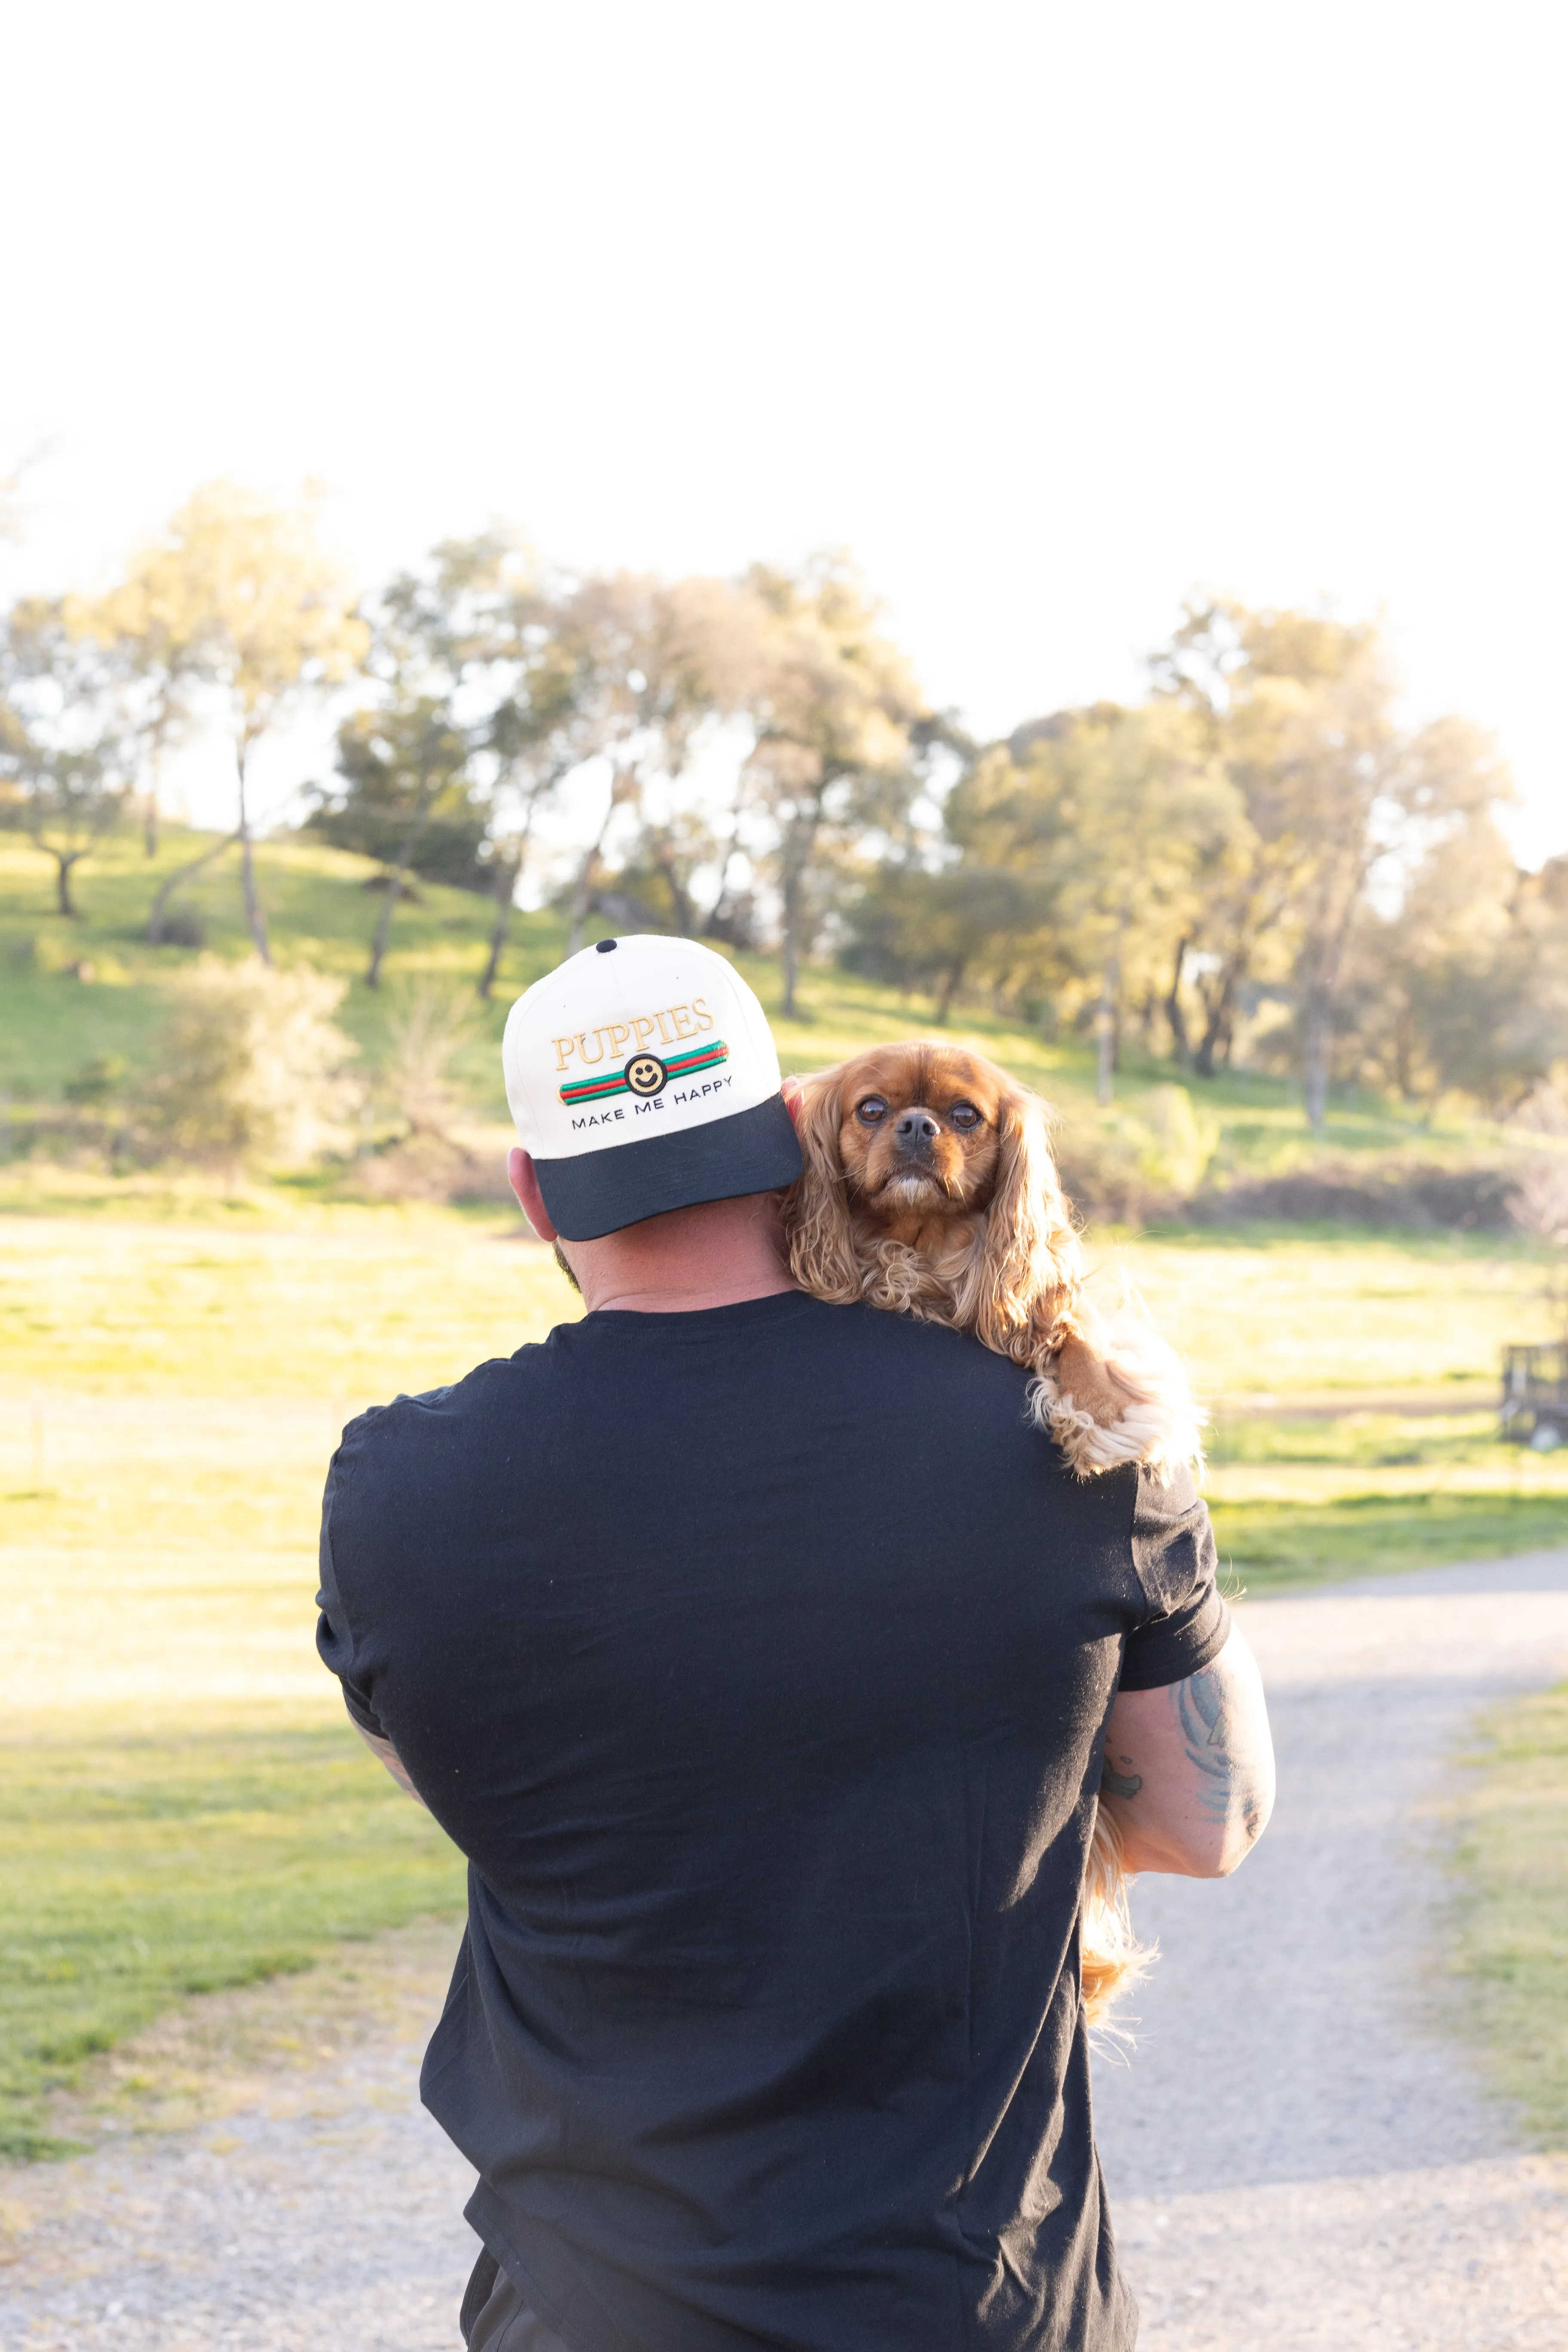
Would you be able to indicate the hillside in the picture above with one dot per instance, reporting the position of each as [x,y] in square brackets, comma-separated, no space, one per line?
[77,992]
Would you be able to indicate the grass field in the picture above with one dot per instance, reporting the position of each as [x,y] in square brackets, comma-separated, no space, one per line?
[183,1806]
[1513,1910]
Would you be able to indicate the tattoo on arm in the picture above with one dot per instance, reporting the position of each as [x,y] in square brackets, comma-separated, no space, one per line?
[1229,1790]
[394,1762]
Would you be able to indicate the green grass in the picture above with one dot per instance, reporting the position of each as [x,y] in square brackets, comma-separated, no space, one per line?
[1330,1494]
[1513,1912]
[1269,1547]
[141,1865]
[352,1303]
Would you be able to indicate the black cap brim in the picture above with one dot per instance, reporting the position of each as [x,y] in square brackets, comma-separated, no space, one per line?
[599,1193]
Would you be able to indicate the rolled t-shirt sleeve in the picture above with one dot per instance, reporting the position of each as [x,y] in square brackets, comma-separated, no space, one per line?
[1174,1560]
[334,1633]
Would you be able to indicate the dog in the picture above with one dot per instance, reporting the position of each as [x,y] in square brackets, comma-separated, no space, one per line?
[928,1187]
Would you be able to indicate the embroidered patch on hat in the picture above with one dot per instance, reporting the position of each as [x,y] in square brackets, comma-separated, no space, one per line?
[645,1075]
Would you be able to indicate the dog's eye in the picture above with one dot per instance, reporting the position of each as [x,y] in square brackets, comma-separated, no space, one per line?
[963,1113]
[872,1111]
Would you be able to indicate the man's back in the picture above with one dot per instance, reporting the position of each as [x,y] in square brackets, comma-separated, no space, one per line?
[759,1659]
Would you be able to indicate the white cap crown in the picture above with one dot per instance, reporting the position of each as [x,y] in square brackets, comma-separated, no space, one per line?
[634,1037]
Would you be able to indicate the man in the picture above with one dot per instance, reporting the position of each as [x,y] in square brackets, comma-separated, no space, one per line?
[761,1657]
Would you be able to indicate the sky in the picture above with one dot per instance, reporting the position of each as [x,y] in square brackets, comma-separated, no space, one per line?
[1049,314]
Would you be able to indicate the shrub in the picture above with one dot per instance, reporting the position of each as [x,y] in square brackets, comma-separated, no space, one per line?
[250,1068]
[99,1078]
[431,1023]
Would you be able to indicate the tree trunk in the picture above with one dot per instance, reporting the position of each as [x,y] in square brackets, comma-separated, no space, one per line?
[1322,997]
[1315,1059]
[952,981]
[1219,1009]
[394,891]
[1105,1032]
[507,871]
[622,788]
[149,822]
[792,922]
[157,914]
[255,919]
[65,904]
[800,843]
[583,890]
[664,858]
[1174,1015]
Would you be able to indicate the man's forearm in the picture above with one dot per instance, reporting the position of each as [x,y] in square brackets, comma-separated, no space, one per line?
[1189,1770]
[392,1761]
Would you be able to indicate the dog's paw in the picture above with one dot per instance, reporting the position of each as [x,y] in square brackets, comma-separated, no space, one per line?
[1126,1400]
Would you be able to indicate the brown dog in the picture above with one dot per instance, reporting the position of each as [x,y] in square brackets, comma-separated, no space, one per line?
[929,1188]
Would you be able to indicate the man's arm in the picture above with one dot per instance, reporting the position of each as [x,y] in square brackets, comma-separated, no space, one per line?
[395,1764]
[1189,1769]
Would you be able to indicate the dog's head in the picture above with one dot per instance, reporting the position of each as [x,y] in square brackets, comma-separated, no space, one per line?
[919,1134]
[933,1148]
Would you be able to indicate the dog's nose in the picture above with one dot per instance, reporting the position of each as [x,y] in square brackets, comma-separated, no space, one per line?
[916,1132]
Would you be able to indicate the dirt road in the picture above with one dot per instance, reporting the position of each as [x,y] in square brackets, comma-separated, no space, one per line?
[1298,2155]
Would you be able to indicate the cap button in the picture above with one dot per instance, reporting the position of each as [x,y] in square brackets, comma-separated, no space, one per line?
[603,947]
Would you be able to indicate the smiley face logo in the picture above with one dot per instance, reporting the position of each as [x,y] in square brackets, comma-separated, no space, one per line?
[645,1075]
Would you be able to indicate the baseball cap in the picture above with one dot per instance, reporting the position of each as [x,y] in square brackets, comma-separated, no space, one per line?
[643,1077]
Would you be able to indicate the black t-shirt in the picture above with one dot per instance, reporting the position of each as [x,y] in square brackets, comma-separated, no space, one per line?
[759,1661]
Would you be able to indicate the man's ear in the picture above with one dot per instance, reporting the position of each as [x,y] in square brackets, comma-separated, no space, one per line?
[792,1091]
[524,1180]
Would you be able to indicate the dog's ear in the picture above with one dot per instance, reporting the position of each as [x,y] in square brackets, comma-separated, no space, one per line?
[817,1205]
[1021,1289]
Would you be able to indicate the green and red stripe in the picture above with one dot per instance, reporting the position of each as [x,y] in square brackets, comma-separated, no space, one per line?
[615,1082]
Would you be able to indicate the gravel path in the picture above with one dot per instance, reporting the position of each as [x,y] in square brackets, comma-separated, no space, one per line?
[1297,2157]
[284,2192]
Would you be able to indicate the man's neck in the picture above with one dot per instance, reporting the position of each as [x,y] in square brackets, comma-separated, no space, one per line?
[715,1255]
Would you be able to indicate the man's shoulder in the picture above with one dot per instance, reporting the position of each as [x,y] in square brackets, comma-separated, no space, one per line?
[415,1417]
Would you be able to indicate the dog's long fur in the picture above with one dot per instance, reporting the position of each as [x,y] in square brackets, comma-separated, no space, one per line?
[967,1225]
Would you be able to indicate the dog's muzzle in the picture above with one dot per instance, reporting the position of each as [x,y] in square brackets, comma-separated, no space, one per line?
[914,1134]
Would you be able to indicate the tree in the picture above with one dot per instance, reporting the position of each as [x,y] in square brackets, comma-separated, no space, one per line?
[1299,709]
[641,666]
[504,607]
[64,744]
[403,793]
[529,765]
[404,769]
[1465,988]
[1431,980]
[938,928]
[166,667]
[1105,818]
[835,709]
[240,595]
